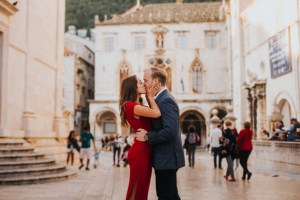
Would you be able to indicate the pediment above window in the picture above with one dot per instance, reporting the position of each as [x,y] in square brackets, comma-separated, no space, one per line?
[7,8]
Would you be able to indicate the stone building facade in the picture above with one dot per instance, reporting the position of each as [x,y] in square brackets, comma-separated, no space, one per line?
[265,56]
[79,61]
[31,57]
[189,40]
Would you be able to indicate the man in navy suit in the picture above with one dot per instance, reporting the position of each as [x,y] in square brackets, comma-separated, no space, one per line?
[165,139]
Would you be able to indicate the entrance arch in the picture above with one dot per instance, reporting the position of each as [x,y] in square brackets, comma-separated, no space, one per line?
[195,118]
[285,110]
[107,123]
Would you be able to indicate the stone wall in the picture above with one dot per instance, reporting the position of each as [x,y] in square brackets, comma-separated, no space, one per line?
[276,156]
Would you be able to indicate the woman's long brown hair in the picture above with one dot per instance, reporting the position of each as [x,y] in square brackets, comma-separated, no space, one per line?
[128,92]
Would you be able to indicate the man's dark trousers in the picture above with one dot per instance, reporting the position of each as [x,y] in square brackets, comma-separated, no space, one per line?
[166,184]
[217,152]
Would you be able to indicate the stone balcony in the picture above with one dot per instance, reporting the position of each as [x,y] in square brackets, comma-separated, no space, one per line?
[277,156]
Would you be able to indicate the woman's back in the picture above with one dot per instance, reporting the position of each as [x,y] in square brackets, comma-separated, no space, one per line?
[245,139]
[142,122]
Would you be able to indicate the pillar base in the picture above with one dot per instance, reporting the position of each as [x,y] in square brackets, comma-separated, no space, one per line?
[29,123]
[60,127]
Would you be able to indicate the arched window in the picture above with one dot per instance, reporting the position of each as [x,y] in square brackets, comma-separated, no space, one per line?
[197,77]
[124,72]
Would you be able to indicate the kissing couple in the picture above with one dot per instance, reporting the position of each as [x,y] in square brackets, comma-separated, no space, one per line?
[158,142]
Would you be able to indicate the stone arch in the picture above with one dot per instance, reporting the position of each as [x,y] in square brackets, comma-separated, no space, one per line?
[103,118]
[196,76]
[195,118]
[285,110]
[284,95]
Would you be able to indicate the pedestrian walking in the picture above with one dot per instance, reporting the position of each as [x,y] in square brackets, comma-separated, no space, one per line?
[96,156]
[86,151]
[103,143]
[216,135]
[191,144]
[228,150]
[245,147]
[71,145]
[124,156]
[207,143]
[117,150]
[106,142]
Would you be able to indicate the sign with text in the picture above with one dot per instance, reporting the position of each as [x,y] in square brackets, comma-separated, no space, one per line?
[279,50]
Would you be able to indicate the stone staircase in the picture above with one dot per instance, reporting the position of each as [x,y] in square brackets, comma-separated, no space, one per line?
[21,165]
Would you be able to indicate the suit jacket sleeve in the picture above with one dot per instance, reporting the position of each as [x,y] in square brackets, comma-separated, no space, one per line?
[170,122]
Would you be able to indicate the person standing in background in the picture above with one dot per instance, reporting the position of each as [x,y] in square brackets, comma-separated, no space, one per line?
[191,144]
[245,146]
[216,135]
[86,151]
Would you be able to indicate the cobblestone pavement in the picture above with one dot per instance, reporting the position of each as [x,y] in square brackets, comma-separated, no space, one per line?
[202,182]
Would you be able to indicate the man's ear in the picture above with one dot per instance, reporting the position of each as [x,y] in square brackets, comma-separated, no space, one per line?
[155,80]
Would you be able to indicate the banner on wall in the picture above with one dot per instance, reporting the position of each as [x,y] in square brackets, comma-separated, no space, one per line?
[279,51]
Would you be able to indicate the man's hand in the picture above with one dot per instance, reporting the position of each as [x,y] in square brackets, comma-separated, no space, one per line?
[140,135]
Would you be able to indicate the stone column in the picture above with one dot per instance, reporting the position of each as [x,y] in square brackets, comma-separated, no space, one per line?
[259,133]
[59,126]
[249,106]
[29,117]
[215,120]
[230,115]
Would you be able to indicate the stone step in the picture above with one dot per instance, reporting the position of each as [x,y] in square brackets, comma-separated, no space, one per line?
[39,179]
[27,164]
[11,144]
[10,173]
[16,150]
[19,157]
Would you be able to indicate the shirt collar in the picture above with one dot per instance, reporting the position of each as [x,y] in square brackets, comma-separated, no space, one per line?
[160,93]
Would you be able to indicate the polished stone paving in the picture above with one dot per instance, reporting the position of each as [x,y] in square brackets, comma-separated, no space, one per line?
[202,182]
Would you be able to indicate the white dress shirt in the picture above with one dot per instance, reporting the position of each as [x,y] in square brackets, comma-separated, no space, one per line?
[159,93]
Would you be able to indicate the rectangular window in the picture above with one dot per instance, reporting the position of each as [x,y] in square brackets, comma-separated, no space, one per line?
[110,127]
[138,43]
[110,44]
[181,41]
[211,39]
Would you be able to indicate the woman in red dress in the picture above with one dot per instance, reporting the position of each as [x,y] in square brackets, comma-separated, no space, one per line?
[138,116]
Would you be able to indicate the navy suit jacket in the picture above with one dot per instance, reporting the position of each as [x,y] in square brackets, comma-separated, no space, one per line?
[167,151]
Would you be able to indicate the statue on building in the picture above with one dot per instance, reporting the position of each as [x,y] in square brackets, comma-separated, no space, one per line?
[160,41]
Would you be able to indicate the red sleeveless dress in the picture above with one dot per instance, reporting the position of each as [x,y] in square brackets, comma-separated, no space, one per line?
[139,156]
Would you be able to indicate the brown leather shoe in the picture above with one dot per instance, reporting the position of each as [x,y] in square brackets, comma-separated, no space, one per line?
[226,177]
[232,180]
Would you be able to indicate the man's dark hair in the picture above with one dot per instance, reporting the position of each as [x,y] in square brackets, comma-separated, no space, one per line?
[281,122]
[160,74]
[192,129]
[293,120]
[219,125]
[247,125]
[86,128]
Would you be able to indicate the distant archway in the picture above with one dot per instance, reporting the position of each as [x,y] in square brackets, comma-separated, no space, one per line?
[285,110]
[107,122]
[192,117]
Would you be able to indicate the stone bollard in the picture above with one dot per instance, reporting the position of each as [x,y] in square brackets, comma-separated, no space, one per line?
[230,115]
[215,120]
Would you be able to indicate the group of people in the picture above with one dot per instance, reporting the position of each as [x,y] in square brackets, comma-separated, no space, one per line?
[158,142]
[85,150]
[228,143]
[280,132]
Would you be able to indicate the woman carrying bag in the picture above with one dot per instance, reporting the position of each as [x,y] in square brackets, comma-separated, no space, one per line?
[245,147]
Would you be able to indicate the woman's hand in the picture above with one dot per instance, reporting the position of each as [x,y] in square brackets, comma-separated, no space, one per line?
[153,90]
